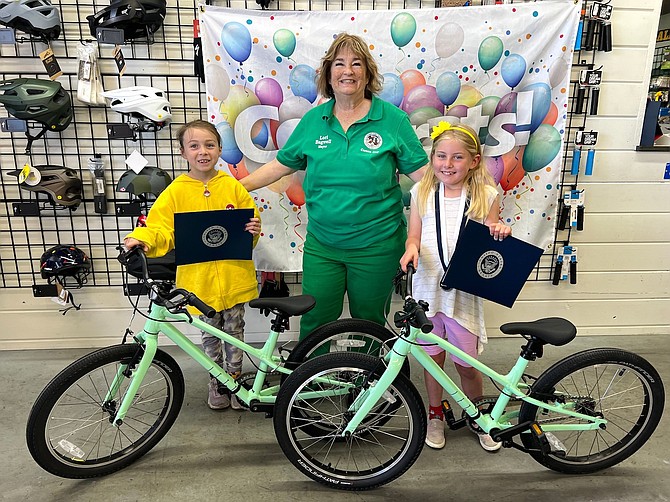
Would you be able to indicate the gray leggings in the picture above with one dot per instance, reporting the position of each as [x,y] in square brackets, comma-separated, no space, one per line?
[232,322]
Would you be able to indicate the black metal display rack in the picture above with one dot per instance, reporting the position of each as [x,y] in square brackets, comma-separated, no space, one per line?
[30,224]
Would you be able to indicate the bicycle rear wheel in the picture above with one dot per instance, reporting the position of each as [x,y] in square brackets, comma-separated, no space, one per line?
[385,445]
[345,335]
[617,385]
[69,431]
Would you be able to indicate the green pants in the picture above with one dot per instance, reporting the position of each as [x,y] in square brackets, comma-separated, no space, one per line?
[365,275]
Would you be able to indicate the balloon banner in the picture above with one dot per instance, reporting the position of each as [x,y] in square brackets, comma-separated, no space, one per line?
[504,72]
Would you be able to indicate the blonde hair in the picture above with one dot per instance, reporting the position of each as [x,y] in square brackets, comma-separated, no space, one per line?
[197,124]
[358,47]
[475,181]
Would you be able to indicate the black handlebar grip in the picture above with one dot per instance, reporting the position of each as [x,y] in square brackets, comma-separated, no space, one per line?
[590,34]
[579,100]
[422,321]
[563,219]
[573,272]
[580,217]
[206,310]
[595,95]
[556,279]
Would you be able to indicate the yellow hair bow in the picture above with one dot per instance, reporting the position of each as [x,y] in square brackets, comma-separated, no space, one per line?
[443,126]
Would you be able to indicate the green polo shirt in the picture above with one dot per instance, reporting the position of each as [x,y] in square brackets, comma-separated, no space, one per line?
[351,185]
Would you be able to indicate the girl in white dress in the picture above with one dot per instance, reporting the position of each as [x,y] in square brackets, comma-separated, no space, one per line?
[464,189]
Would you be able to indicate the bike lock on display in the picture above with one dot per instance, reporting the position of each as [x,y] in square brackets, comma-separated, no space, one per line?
[98,179]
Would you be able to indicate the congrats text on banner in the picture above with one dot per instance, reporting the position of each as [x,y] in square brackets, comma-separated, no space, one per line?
[503,70]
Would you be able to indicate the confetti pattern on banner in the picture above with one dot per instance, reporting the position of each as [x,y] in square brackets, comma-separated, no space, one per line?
[504,70]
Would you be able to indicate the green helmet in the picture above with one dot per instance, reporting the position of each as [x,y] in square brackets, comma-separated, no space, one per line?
[44,101]
[150,180]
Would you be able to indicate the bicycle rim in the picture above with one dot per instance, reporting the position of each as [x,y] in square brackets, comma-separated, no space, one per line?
[376,452]
[615,388]
[79,432]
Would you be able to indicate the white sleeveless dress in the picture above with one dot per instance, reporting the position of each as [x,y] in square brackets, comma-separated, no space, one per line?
[465,308]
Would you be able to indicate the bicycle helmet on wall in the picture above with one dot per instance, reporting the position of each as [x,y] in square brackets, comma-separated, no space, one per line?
[137,18]
[63,261]
[141,102]
[150,180]
[44,101]
[61,184]
[35,17]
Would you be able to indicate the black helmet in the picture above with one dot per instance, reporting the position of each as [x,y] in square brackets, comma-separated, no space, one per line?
[37,99]
[150,180]
[61,184]
[63,261]
[35,17]
[137,18]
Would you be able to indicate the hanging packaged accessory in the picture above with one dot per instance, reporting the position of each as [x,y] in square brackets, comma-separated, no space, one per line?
[565,266]
[439,233]
[89,81]
[98,179]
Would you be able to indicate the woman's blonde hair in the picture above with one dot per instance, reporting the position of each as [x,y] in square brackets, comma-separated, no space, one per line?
[475,181]
[358,46]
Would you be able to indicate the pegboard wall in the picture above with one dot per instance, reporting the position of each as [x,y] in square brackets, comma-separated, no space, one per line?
[166,63]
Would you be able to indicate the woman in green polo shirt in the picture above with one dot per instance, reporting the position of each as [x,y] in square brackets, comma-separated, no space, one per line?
[351,149]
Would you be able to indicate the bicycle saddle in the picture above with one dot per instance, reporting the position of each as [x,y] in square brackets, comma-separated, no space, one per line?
[552,330]
[293,305]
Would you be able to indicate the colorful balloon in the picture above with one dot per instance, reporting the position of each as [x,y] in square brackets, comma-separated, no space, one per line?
[239,98]
[302,80]
[558,71]
[448,40]
[496,167]
[421,96]
[403,28]
[230,153]
[236,40]
[513,69]
[469,96]
[458,111]
[552,115]
[410,79]
[293,107]
[422,115]
[448,87]
[294,192]
[513,171]
[488,108]
[489,53]
[507,104]
[269,92]
[543,146]
[284,42]
[239,170]
[541,102]
[392,89]
[217,81]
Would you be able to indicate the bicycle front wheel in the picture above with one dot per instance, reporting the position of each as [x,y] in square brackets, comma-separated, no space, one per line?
[614,384]
[385,445]
[69,431]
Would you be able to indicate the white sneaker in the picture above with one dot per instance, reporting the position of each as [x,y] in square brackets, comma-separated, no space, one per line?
[235,403]
[435,433]
[216,400]
[487,442]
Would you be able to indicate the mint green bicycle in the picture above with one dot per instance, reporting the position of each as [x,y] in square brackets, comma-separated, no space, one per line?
[585,413]
[110,407]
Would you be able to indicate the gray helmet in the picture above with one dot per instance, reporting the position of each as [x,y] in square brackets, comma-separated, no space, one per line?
[150,180]
[61,184]
[35,17]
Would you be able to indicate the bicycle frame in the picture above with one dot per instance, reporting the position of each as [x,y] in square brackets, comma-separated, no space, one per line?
[512,387]
[160,321]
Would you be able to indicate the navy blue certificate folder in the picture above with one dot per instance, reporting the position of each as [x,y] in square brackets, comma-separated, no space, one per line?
[494,270]
[202,236]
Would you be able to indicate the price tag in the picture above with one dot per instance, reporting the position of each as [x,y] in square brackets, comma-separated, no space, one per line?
[119,60]
[590,77]
[51,64]
[586,138]
[601,11]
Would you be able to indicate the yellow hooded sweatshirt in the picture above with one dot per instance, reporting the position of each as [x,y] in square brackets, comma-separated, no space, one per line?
[220,284]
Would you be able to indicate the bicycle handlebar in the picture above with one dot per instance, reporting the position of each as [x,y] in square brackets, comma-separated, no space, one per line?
[420,320]
[188,298]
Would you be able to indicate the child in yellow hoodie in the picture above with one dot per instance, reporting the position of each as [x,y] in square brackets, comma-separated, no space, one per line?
[225,285]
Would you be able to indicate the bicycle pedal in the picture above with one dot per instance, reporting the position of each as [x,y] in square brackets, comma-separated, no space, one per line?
[541,438]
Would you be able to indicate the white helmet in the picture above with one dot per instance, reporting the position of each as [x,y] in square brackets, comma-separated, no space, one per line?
[141,102]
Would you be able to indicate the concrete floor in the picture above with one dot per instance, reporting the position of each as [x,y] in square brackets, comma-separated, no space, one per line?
[233,455]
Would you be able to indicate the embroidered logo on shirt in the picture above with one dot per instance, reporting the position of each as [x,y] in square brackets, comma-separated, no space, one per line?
[372,141]
[214,236]
[490,264]
[323,141]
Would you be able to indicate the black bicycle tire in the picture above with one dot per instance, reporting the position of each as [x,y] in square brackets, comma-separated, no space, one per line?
[304,349]
[644,425]
[326,473]
[37,433]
